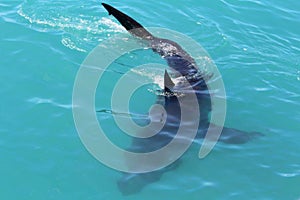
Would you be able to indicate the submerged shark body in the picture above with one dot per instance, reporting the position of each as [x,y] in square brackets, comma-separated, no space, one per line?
[181,65]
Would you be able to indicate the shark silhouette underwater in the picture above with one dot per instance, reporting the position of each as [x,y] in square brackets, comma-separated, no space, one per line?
[181,64]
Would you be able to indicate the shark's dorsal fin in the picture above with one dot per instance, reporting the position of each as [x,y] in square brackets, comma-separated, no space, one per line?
[168,83]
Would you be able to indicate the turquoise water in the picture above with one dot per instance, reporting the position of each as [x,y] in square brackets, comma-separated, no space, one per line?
[255,45]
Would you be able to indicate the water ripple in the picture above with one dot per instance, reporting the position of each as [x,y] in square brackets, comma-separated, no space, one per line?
[79,30]
[37,100]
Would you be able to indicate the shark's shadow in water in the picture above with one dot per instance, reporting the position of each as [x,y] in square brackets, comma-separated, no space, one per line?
[180,64]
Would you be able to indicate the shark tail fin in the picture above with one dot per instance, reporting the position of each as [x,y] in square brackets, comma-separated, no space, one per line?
[128,23]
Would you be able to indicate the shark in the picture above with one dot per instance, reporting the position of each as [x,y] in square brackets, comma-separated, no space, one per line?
[180,64]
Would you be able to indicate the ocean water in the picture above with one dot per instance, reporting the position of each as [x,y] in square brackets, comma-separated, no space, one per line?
[255,45]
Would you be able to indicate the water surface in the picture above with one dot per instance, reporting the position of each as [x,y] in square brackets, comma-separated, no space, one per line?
[255,45]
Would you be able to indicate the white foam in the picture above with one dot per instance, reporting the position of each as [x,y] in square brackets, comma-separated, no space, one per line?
[80,29]
[67,42]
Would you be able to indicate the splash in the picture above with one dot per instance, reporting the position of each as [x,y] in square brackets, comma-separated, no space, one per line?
[67,42]
[154,74]
[80,32]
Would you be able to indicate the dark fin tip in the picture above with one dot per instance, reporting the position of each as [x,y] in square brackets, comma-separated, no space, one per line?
[128,23]
[168,83]
[167,80]
[107,7]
